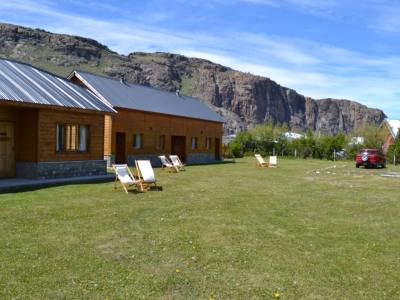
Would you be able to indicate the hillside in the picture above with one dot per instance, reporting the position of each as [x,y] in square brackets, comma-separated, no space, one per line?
[242,98]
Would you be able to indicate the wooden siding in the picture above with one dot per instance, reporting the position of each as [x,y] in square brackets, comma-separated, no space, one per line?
[47,122]
[25,121]
[152,125]
[27,127]
[107,135]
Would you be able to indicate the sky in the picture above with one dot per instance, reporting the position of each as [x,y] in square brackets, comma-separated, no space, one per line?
[346,49]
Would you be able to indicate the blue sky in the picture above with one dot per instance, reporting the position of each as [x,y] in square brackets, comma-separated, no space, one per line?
[329,48]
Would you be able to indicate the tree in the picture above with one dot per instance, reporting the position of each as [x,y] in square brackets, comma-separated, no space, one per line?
[394,150]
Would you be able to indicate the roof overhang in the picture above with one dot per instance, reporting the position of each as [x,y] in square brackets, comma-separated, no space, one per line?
[22,104]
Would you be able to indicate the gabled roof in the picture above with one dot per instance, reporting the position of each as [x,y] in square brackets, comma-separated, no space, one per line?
[394,126]
[144,98]
[23,83]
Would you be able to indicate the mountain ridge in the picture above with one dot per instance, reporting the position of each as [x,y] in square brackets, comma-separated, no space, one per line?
[243,99]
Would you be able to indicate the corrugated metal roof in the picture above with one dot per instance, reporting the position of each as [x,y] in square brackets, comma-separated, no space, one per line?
[144,98]
[24,83]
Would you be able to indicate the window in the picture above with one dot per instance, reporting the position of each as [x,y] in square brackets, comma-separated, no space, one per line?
[161,142]
[194,142]
[137,141]
[208,143]
[72,137]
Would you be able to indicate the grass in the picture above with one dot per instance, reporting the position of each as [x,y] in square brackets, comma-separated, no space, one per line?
[231,231]
[187,85]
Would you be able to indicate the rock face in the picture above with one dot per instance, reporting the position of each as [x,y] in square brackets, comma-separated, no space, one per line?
[242,98]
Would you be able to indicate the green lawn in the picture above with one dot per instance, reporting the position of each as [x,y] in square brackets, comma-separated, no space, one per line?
[228,231]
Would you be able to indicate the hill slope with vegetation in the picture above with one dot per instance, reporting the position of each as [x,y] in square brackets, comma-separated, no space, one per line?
[245,100]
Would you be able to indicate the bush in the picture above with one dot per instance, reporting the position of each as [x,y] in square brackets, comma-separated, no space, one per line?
[394,151]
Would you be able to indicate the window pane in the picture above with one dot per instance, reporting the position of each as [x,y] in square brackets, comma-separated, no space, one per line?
[208,143]
[68,137]
[71,137]
[83,136]
[194,142]
[161,142]
[137,141]
[60,137]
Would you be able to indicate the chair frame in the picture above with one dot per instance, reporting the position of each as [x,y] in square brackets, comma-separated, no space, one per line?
[167,165]
[270,165]
[181,166]
[260,162]
[145,185]
[136,182]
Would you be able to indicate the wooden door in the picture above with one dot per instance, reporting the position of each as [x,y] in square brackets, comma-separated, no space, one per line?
[120,147]
[178,147]
[7,155]
[217,149]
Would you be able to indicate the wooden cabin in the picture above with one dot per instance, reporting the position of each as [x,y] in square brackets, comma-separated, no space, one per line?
[391,130]
[49,127]
[151,122]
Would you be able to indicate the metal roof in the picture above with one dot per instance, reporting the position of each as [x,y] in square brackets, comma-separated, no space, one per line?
[144,98]
[23,83]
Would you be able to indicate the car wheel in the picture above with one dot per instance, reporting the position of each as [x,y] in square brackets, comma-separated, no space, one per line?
[357,165]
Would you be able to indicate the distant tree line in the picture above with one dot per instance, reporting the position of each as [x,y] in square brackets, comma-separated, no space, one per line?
[268,139]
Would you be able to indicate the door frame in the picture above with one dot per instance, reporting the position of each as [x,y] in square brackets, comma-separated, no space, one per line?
[117,149]
[217,150]
[13,146]
[183,155]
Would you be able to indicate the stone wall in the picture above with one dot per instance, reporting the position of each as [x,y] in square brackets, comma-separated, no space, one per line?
[192,159]
[154,160]
[200,158]
[60,169]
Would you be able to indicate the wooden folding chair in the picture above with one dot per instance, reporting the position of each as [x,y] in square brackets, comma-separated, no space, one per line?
[273,162]
[260,162]
[166,164]
[177,162]
[146,173]
[124,175]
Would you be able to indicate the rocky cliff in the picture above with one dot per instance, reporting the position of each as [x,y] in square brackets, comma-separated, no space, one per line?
[242,98]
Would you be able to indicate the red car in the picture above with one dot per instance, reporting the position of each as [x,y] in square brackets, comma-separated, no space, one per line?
[370,158]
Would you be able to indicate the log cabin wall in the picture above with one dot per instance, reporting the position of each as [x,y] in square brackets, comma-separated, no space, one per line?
[25,134]
[151,126]
[34,143]
[47,126]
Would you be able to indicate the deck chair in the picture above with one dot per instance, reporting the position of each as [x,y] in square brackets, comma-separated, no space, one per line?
[177,162]
[146,173]
[273,162]
[166,164]
[260,162]
[125,177]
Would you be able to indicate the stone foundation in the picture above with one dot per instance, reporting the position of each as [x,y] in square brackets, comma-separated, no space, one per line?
[200,158]
[110,159]
[192,159]
[154,160]
[60,169]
